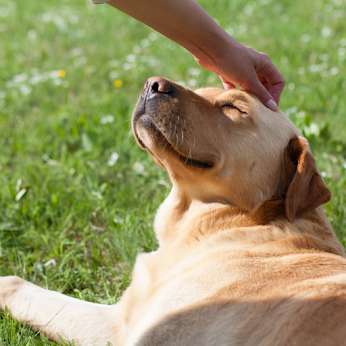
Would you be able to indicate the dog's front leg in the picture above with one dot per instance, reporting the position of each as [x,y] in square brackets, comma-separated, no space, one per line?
[53,313]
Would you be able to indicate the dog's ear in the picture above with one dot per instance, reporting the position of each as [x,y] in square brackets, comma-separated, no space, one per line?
[305,187]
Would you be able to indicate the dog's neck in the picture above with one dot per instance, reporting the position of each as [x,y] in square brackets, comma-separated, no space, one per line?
[188,221]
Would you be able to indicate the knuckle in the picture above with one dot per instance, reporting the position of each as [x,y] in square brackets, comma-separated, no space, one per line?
[266,59]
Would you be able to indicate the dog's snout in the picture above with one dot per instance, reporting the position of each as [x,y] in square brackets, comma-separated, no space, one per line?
[158,85]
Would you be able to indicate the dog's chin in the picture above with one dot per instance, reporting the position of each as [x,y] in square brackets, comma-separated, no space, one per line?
[145,130]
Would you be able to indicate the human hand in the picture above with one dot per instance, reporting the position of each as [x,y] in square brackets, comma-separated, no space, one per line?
[243,66]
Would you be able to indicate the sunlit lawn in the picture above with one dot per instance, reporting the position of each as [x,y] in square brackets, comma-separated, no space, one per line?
[77,195]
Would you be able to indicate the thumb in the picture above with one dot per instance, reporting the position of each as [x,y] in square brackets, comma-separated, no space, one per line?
[264,96]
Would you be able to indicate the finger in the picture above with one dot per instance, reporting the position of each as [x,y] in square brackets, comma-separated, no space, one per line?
[226,84]
[276,90]
[263,94]
[273,77]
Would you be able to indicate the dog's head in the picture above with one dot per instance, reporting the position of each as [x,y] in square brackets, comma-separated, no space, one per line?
[226,147]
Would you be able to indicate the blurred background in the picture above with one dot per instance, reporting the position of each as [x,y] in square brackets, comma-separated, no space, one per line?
[77,196]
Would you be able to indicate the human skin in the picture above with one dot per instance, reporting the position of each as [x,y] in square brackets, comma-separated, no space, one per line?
[189,25]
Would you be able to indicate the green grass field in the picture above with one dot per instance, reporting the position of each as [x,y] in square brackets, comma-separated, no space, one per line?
[77,196]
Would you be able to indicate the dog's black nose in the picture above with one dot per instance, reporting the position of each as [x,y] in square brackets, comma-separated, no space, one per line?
[158,85]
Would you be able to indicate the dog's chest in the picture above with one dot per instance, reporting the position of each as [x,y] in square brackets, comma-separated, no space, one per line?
[158,290]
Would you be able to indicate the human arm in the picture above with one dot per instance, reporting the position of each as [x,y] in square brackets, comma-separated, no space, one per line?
[188,24]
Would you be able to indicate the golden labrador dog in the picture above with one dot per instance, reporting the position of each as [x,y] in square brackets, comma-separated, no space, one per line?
[246,255]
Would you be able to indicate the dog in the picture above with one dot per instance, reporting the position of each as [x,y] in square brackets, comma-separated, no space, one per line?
[246,254]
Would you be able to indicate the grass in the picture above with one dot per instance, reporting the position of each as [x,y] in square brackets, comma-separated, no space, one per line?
[73,220]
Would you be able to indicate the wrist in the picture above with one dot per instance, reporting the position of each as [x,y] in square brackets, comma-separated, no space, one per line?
[214,46]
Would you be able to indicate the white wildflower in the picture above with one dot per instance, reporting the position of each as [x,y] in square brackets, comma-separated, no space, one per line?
[118,220]
[324,57]
[57,81]
[192,82]
[230,31]
[82,60]
[316,68]
[285,17]
[53,74]
[339,14]
[301,70]
[73,19]
[20,78]
[131,58]
[145,43]
[31,35]
[326,32]
[290,86]
[90,69]
[342,52]
[138,168]
[153,36]
[137,49]
[305,38]
[300,114]
[248,9]
[194,71]
[113,75]
[127,66]
[25,89]
[290,111]
[77,51]
[107,120]
[242,28]
[334,71]
[153,61]
[113,159]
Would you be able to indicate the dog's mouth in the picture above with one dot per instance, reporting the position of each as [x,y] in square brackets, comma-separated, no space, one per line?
[165,143]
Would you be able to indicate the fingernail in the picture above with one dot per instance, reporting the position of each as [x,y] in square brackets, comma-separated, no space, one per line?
[271,105]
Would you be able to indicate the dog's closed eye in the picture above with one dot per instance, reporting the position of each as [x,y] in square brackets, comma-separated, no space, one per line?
[229,105]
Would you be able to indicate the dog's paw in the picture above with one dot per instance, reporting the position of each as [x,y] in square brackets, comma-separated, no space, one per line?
[8,286]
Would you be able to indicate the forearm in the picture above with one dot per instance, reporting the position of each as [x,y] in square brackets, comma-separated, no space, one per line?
[188,24]
[183,21]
